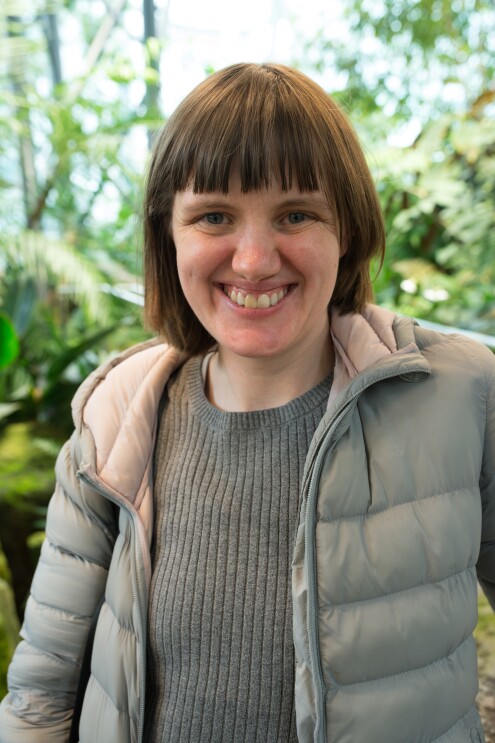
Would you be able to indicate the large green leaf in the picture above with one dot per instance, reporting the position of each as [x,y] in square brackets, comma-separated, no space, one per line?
[9,342]
[42,258]
[69,355]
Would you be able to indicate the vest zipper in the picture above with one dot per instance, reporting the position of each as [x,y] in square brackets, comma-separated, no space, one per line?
[122,502]
[319,735]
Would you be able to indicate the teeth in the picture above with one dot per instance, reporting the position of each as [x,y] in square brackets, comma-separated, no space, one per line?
[262,302]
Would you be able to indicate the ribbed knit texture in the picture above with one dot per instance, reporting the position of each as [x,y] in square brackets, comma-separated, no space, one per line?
[220,652]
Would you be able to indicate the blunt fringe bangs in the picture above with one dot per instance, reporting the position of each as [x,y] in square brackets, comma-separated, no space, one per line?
[262,121]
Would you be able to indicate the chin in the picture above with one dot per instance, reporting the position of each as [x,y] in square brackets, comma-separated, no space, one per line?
[253,350]
[257,354]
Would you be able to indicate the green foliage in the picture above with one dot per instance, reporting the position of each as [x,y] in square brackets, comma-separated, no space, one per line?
[69,208]
[438,200]
[423,70]
[409,58]
[72,152]
[9,342]
[27,457]
[9,623]
[485,637]
[9,632]
[52,295]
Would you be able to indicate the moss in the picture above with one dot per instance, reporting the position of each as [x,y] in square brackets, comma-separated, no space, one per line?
[4,568]
[9,632]
[485,637]
[27,457]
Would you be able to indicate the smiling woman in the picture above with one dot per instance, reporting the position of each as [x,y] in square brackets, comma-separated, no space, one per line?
[283,503]
[258,269]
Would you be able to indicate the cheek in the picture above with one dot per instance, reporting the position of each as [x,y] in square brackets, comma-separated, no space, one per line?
[320,263]
[186,274]
[194,280]
[326,272]
[187,262]
[199,262]
[188,283]
[183,267]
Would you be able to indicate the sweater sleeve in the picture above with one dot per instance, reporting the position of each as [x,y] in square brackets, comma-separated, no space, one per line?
[67,585]
[486,561]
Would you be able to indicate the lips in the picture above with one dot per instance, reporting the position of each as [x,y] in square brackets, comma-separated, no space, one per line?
[255,300]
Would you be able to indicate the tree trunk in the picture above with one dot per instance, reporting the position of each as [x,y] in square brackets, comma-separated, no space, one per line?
[50,29]
[26,149]
[152,88]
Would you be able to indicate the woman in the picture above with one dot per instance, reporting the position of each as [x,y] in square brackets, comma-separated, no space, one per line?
[288,420]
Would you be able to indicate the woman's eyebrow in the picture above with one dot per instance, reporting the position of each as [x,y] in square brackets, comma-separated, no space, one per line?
[305,201]
[204,203]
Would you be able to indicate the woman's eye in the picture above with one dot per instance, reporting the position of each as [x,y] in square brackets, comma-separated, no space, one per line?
[296,217]
[214,218]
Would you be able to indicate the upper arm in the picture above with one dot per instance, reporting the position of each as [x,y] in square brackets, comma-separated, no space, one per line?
[67,585]
[486,561]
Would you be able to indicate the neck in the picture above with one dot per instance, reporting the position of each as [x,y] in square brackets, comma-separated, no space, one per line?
[238,384]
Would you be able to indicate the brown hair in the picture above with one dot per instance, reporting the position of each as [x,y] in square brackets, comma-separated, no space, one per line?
[263,120]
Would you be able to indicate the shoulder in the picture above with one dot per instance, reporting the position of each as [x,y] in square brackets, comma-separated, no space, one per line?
[457,349]
[115,411]
[119,380]
[461,367]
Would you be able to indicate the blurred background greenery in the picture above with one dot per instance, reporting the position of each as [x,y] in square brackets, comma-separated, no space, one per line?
[416,78]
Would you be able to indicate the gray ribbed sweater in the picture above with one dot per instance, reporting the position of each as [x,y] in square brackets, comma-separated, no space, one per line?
[221,662]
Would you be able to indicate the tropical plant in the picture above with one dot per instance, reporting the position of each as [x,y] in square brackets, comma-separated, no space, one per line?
[438,198]
[9,624]
[417,79]
[72,150]
[410,59]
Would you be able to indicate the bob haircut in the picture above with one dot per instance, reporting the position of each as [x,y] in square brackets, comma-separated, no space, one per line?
[260,121]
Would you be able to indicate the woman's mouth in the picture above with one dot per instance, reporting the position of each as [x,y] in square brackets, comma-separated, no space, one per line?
[255,300]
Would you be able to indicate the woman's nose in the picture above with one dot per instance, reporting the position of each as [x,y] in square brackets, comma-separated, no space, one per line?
[256,255]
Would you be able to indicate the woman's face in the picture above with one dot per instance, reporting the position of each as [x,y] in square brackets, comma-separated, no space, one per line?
[258,268]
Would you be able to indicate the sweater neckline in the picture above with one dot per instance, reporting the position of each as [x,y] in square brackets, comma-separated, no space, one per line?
[200,406]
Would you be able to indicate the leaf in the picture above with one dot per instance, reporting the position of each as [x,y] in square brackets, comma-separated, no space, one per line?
[20,300]
[43,258]
[9,342]
[7,408]
[71,354]
[416,269]
[443,186]
[434,134]
[471,137]
[35,540]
